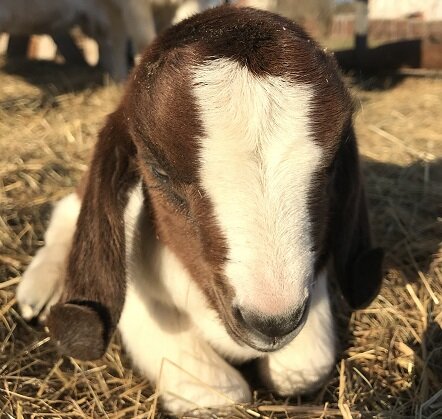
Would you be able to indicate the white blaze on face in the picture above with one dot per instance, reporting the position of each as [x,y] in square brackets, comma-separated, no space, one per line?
[256,166]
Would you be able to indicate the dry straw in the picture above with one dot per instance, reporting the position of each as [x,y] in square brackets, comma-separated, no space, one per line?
[391,363]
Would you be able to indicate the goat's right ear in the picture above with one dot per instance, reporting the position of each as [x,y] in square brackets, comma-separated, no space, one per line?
[358,266]
[83,322]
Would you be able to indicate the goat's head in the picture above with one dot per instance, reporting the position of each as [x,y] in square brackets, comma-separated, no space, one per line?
[240,129]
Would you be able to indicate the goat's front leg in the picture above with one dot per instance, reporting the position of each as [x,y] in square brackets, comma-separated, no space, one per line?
[42,282]
[304,363]
[165,346]
[140,23]
[112,46]
[187,9]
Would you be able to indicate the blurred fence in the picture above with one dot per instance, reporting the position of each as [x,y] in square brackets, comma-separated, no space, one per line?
[388,29]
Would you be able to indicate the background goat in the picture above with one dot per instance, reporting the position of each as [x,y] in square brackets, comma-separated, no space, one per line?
[110,22]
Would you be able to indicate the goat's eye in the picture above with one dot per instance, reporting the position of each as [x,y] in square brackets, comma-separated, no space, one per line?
[160,174]
[168,188]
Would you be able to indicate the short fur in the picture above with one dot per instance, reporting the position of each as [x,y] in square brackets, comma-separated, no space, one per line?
[201,273]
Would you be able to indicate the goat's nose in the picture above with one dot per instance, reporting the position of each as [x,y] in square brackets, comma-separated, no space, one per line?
[271,326]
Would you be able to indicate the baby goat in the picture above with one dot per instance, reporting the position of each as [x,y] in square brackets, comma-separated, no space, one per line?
[223,195]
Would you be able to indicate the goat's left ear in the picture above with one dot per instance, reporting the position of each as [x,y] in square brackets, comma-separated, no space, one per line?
[358,266]
[84,320]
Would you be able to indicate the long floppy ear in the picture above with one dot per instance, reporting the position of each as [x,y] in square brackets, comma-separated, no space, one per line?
[83,322]
[358,266]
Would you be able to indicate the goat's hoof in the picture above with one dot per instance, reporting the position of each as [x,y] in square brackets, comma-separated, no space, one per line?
[41,285]
[78,330]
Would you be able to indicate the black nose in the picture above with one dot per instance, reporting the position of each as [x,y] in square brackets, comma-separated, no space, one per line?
[271,326]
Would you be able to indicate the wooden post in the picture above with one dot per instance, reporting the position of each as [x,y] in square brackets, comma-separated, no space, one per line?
[361,29]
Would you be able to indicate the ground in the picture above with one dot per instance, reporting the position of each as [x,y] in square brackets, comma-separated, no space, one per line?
[391,359]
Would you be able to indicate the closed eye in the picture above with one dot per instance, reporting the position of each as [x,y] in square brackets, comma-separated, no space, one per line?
[160,174]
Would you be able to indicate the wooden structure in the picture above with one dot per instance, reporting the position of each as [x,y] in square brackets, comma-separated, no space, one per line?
[420,45]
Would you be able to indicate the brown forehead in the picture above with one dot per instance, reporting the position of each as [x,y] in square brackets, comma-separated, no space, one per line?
[165,115]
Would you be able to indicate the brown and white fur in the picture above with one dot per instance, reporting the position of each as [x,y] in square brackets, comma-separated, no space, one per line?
[224,194]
